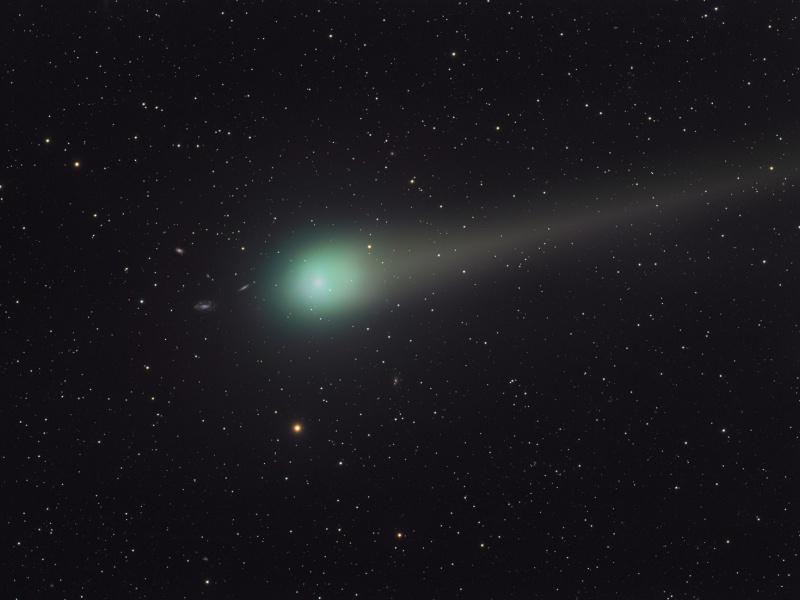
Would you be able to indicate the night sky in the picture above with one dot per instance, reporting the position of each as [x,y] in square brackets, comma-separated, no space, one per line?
[400,300]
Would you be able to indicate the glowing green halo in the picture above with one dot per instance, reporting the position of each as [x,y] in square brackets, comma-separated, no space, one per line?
[327,280]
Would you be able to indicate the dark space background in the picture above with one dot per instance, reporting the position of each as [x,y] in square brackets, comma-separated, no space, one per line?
[613,418]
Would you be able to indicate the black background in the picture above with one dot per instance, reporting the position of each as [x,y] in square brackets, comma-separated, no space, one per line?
[612,417]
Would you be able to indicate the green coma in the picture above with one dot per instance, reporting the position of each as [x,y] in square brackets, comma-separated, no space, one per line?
[328,280]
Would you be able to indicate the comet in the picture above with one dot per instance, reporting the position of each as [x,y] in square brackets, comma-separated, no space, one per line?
[341,275]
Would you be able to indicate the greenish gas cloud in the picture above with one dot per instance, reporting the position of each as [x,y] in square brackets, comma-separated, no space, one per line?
[323,277]
[327,280]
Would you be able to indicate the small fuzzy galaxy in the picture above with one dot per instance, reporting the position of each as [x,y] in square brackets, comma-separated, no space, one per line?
[401,300]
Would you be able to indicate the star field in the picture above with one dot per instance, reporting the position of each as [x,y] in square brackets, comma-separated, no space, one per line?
[400,300]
